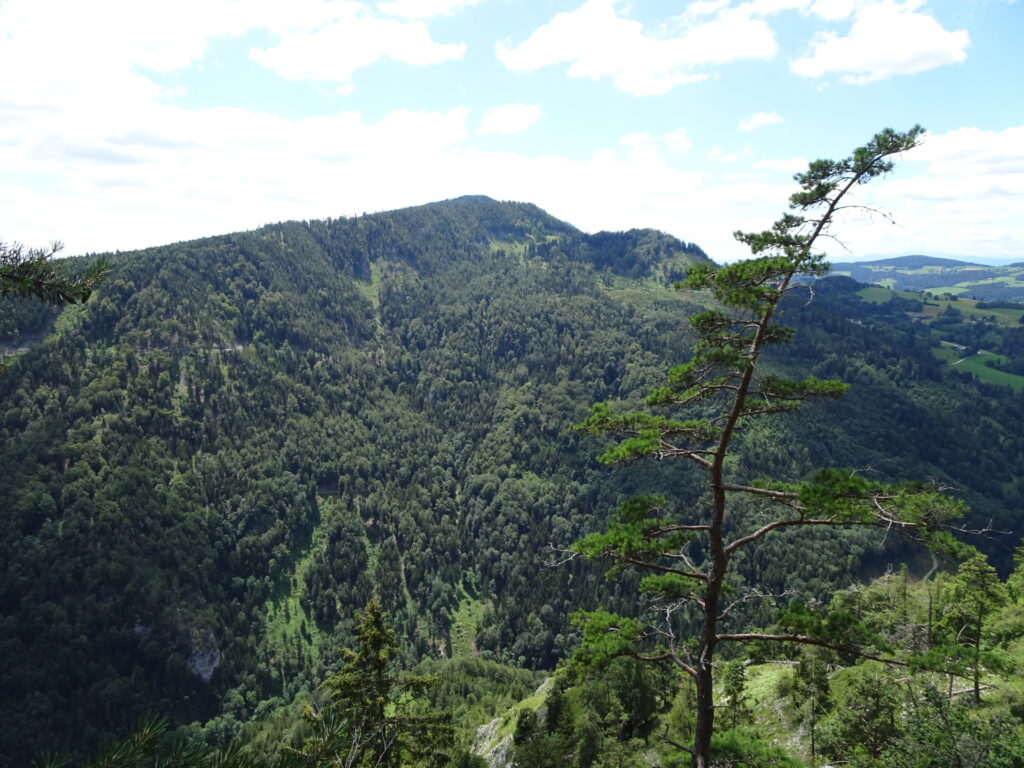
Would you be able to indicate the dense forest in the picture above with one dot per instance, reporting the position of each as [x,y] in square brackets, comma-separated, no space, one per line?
[237,443]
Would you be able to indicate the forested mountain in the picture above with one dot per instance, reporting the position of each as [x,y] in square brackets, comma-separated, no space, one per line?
[238,441]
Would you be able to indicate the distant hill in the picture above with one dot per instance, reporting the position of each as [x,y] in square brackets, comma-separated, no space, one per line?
[915,261]
[940,275]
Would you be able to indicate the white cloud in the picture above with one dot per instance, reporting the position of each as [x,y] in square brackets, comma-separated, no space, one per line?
[886,39]
[424,9]
[335,51]
[678,142]
[100,51]
[835,10]
[191,174]
[972,152]
[785,164]
[509,118]
[959,192]
[716,153]
[93,152]
[89,52]
[758,119]
[597,42]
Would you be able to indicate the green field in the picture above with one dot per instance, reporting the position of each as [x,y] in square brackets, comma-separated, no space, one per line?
[947,353]
[875,294]
[976,364]
[933,307]
[969,309]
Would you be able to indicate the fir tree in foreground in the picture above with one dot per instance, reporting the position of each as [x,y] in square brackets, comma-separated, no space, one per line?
[687,557]
[376,715]
[33,272]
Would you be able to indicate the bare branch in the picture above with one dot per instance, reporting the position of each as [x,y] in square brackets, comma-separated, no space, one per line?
[666,740]
[753,595]
[559,556]
[886,522]
[659,568]
[805,640]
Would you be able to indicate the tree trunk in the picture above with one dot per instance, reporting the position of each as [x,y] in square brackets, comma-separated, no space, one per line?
[977,663]
[705,723]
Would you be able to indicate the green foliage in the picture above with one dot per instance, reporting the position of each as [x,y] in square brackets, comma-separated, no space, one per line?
[939,733]
[864,715]
[744,746]
[727,386]
[634,533]
[733,688]
[376,715]
[604,720]
[281,424]
[605,637]
[239,441]
[32,272]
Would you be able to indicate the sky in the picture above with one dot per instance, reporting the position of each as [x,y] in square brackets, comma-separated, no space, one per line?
[133,123]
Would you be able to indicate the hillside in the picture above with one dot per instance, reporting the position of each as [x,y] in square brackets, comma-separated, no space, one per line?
[940,276]
[216,461]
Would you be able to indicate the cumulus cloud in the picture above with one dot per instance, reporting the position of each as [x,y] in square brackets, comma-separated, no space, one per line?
[597,42]
[758,119]
[835,10]
[784,164]
[333,52]
[112,161]
[886,39]
[678,142]
[424,9]
[509,118]
[968,152]
[959,192]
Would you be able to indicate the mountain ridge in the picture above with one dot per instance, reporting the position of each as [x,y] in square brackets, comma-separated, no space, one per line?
[239,440]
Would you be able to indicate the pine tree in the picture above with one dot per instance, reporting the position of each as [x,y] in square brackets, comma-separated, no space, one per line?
[722,389]
[33,272]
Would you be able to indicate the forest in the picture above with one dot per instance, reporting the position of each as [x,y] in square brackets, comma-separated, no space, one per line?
[245,459]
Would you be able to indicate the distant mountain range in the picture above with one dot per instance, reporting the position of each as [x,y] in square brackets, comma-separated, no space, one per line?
[991,261]
[940,275]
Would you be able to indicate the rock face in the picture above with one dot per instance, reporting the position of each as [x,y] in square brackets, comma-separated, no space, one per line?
[497,755]
[494,741]
[205,656]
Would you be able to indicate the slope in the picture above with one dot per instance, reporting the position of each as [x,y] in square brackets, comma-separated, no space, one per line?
[216,461]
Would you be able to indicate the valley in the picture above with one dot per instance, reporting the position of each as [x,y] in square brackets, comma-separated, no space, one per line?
[217,462]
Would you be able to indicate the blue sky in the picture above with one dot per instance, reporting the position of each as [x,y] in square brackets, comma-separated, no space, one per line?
[132,123]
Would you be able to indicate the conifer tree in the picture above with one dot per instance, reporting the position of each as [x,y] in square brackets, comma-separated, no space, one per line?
[376,716]
[722,389]
[33,272]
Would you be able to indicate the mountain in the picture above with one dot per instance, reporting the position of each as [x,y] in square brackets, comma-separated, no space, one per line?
[909,262]
[941,276]
[211,465]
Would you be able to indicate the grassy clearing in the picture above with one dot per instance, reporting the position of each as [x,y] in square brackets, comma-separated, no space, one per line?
[933,307]
[976,364]
[465,624]
[948,352]
[287,626]
[876,294]
[371,290]
[763,680]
